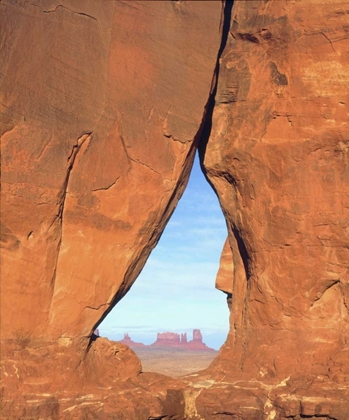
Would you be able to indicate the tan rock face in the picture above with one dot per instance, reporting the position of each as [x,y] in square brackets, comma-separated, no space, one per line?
[102,104]
[224,279]
[102,109]
[278,157]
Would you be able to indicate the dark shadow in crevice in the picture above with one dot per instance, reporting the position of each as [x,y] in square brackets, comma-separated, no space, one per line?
[207,126]
[243,252]
[199,143]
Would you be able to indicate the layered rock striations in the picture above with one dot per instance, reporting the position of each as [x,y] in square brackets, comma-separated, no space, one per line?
[102,107]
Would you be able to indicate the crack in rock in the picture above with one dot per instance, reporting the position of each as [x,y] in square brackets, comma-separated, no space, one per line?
[71,159]
[71,11]
[63,194]
[107,187]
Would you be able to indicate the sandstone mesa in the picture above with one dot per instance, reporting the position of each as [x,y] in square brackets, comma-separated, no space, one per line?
[171,340]
[103,107]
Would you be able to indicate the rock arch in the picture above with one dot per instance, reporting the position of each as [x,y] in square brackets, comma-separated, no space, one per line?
[101,121]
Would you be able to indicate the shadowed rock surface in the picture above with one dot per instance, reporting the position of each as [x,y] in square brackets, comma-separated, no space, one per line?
[103,105]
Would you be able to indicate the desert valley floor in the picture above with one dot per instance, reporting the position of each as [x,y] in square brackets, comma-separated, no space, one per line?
[174,363]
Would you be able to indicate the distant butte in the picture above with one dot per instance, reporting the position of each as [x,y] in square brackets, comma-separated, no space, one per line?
[171,340]
[127,340]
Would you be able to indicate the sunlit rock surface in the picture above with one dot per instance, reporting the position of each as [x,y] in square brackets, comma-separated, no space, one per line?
[101,109]
[102,105]
[278,158]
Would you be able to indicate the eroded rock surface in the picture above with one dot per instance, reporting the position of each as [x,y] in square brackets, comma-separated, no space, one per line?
[102,109]
[102,103]
[278,157]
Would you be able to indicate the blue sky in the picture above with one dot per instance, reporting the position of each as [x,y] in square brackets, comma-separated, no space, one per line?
[175,291]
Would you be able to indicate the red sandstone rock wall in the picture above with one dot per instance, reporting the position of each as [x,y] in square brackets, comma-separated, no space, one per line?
[278,158]
[224,279]
[102,103]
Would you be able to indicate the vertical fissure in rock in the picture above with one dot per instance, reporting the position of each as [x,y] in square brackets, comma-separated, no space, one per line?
[71,160]
[199,143]
[62,198]
[207,124]
[206,133]
[243,251]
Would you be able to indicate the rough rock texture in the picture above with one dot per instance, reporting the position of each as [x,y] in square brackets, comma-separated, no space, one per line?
[224,279]
[278,158]
[102,106]
[99,127]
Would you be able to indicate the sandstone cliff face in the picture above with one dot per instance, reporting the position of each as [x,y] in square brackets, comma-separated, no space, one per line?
[102,109]
[224,279]
[102,104]
[278,158]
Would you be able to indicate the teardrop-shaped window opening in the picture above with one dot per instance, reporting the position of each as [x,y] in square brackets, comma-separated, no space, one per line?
[175,293]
